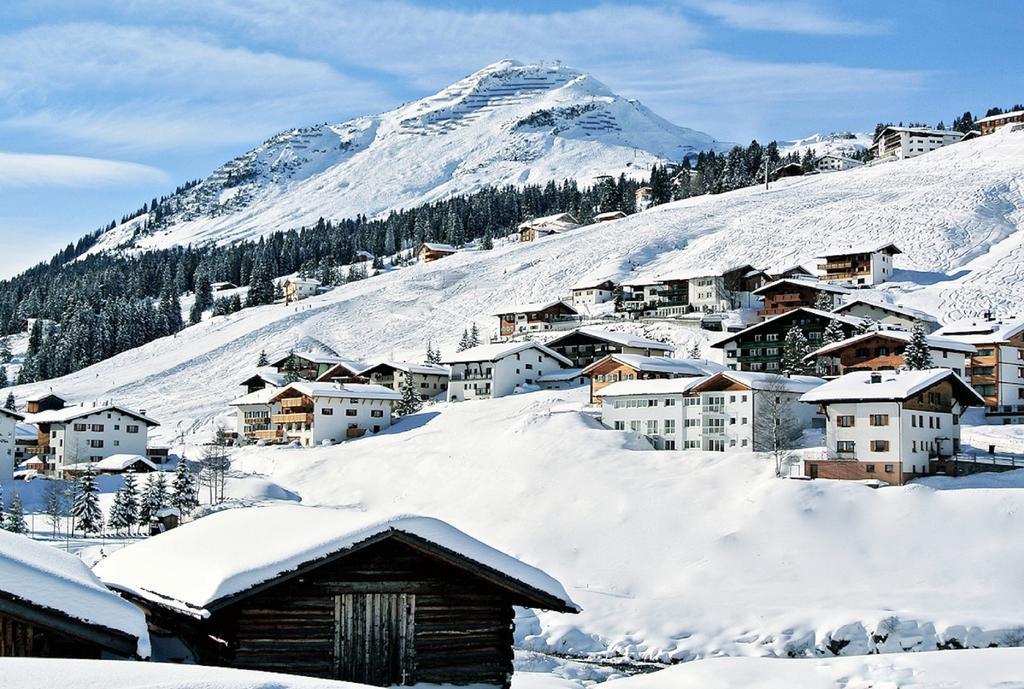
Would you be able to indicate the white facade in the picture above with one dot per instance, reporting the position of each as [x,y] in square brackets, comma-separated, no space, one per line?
[334,412]
[830,162]
[92,433]
[491,371]
[708,293]
[296,289]
[910,142]
[253,411]
[888,314]
[8,425]
[429,380]
[589,296]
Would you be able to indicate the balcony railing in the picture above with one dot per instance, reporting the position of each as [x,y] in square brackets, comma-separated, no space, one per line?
[297,403]
[271,434]
[38,450]
[716,431]
[713,408]
[292,418]
[472,376]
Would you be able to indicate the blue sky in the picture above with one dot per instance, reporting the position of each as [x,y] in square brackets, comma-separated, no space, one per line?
[105,105]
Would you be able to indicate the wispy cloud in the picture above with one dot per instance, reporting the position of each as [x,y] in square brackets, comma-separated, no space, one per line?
[32,169]
[789,17]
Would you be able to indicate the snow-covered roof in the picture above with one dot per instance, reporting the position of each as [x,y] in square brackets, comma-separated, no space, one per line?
[118,462]
[652,386]
[982,331]
[892,385]
[47,577]
[560,375]
[215,286]
[994,118]
[809,282]
[269,376]
[902,336]
[193,567]
[837,156]
[591,283]
[433,246]
[314,357]
[886,306]
[861,249]
[493,352]
[616,337]
[535,307]
[609,215]
[79,410]
[765,381]
[853,321]
[928,131]
[360,390]
[11,413]
[642,282]
[261,396]
[704,271]
[302,281]
[662,364]
[40,396]
[25,431]
[425,369]
[556,223]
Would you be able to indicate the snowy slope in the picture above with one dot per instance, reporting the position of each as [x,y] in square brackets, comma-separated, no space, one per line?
[957,213]
[840,143]
[509,123]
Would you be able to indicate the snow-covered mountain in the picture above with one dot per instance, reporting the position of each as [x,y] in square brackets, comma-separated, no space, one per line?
[841,143]
[509,123]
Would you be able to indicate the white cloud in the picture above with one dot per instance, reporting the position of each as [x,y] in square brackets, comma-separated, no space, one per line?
[33,169]
[790,17]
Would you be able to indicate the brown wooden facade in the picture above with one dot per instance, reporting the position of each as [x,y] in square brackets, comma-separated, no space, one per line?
[786,296]
[606,371]
[428,253]
[28,630]
[559,311]
[393,610]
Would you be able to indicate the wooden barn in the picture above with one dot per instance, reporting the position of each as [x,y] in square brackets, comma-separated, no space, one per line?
[329,593]
[52,606]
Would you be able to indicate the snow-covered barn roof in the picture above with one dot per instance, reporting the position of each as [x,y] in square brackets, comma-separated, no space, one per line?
[261,396]
[561,374]
[809,282]
[408,367]
[316,358]
[559,222]
[535,307]
[983,331]
[211,561]
[616,337]
[118,462]
[79,410]
[890,386]
[61,584]
[862,249]
[995,118]
[661,364]
[901,336]
[493,352]
[847,320]
[13,414]
[886,306]
[354,390]
[652,386]
[442,248]
[609,215]
[267,375]
[40,396]
[753,380]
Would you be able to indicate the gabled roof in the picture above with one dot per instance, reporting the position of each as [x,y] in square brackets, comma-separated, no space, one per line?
[706,271]
[862,249]
[560,375]
[609,215]
[885,306]
[892,386]
[407,367]
[901,336]
[45,585]
[917,130]
[852,321]
[79,410]
[261,396]
[558,222]
[40,396]
[212,562]
[222,285]
[652,386]
[118,462]
[614,337]
[493,352]
[268,376]
[983,331]
[339,390]
[11,413]
[302,281]
[809,283]
[591,283]
[660,364]
[837,156]
[348,369]
[761,381]
[535,307]
[994,118]
[442,248]
[313,357]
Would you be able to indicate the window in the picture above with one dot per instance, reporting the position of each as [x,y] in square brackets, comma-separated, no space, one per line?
[117,443]
[670,444]
[844,446]
[870,468]
[351,412]
[879,445]
[913,420]
[95,442]
[845,421]
[888,468]
[620,425]
[81,427]
[634,426]
[956,419]
[327,411]
[670,402]
[652,426]
[135,429]
[879,419]
[97,428]
[670,426]
[732,398]
[377,413]
[913,446]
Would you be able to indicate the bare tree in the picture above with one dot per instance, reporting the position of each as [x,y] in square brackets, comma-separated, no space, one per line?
[214,466]
[776,428]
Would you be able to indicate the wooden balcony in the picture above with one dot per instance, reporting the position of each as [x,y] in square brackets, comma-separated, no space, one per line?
[297,404]
[355,432]
[38,450]
[298,417]
[272,434]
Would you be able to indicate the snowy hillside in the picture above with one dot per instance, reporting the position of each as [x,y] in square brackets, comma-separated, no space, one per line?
[841,143]
[509,123]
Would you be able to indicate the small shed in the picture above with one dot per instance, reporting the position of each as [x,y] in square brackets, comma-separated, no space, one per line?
[52,606]
[333,593]
[122,463]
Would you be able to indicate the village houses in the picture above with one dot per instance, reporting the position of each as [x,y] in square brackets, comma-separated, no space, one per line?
[536,228]
[592,292]
[639,295]
[431,251]
[222,286]
[644,198]
[253,412]
[618,367]
[586,345]
[429,380]
[899,143]
[889,426]
[314,365]
[299,288]
[791,293]
[729,411]
[887,314]
[996,369]
[883,350]
[833,162]
[988,125]
[608,216]
[496,370]
[8,436]
[325,413]
[860,265]
[537,317]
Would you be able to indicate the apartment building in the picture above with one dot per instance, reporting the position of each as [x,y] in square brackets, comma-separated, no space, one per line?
[883,350]
[496,370]
[319,413]
[909,142]
[996,369]
[865,265]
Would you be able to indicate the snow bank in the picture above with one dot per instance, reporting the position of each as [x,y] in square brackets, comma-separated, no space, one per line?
[230,552]
[49,578]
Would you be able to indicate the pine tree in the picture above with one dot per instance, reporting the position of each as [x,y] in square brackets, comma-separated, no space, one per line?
[474,336]
[291,368]
[263,360]
[694,351]
[487,243]
[130,499]
[5,351]
[186,489]
[117,519]
[917,356]
[15,520]
[3,377]
[410,402]
[53,506]
[463,342]
[154,498]
[794,349]
[824,301]
[86,507]
[203,300]
[833,333]
[433,355]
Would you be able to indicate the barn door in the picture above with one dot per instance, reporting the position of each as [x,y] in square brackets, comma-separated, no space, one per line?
[374,637]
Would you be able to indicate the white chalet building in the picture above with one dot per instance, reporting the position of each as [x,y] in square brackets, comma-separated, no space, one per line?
[592,292]
[910,142]
[887,314]
[254,411]
[997,366]
[8,433]
[315,413]
[496,370]
[833,162]
[714,413]
[889,425]
[430,380]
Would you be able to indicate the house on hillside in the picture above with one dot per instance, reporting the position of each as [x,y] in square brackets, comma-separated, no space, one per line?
[787,294]
[536,228]
[44,401]
[584,346]
[592,292]
[996,369]
[113,465]
[53,606]
[313,365]
[343,372]
[898,143]
[608,216]
[883,350]
[644,198]
[640,295]
[889,426]
[888,314]
[537,317]
[833,162]
[296,288]
[222,286]
[790,271]
[859,265]
[497,370]
[715,413]
[429,380]
[264,377]
[317,413]
[253,412]
[988,125]
[709,290]
[431,251]
[88,433]
[618,367]
[787,170]
[8,442]
[562,379]
[335,594]
[759,347]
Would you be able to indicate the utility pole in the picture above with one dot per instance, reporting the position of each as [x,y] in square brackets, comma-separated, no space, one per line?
[766,173]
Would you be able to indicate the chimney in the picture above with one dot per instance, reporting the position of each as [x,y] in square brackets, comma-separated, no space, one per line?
[876,377]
